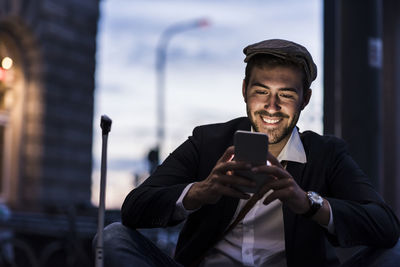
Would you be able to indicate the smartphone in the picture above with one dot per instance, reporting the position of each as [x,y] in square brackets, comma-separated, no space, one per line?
[251,147]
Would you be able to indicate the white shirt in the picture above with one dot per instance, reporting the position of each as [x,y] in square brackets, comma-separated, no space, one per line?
[259,239]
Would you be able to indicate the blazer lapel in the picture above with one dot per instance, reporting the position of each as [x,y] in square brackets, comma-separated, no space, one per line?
[289,218]
[296,170]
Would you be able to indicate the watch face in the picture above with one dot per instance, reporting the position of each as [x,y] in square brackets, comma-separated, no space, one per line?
[316,202]
[315,198]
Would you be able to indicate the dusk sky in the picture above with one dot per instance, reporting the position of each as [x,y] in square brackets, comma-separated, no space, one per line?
[204,72]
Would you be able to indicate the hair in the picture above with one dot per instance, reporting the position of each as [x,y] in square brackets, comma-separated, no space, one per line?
[266,60]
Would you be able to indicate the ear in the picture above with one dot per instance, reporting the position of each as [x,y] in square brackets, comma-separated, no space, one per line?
[306,99]
[244,91]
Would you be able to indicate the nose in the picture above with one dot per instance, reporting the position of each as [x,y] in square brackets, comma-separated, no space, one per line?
[273,104]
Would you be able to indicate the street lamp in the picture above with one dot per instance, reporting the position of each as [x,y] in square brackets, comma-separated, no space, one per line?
[161,57]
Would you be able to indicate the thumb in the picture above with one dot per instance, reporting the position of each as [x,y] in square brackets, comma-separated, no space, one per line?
[273,160]
[227,156]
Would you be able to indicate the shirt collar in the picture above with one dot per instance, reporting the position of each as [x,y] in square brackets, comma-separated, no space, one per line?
[294,149]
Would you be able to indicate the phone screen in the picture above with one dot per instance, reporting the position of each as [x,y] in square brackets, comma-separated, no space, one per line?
[251,147]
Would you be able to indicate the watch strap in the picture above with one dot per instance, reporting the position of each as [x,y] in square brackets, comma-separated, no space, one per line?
[314,206]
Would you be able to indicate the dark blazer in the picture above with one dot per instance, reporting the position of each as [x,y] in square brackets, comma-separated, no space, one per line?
[360,215]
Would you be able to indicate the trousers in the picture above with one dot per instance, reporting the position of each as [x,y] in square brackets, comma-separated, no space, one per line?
[124,247]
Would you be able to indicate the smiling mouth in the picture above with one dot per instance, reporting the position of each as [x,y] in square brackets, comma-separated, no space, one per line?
[271,120]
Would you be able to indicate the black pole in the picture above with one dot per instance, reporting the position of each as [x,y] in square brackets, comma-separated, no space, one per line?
[105,125]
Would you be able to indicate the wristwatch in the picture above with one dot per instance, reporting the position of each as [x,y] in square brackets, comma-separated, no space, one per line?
[316,202]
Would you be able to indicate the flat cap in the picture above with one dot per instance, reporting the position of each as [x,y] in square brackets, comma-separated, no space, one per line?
[286,50]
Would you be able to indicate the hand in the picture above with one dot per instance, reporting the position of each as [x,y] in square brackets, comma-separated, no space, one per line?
[283,185]
[220,182]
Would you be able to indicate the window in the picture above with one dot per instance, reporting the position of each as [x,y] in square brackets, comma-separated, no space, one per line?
[11,88]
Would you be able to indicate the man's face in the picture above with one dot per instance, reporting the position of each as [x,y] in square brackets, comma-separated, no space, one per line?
[274,100]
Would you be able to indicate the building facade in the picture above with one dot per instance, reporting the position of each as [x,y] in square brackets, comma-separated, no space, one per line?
[47,52]
[47,66]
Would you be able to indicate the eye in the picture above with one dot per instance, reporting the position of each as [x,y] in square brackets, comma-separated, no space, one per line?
[261,92]
[287,96]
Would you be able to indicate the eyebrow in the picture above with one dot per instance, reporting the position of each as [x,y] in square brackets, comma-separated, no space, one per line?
[290,89]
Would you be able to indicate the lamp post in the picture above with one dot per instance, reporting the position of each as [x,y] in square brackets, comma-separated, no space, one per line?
[161,57]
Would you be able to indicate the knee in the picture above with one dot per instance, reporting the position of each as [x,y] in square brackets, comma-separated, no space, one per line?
[395,251]
[389,257]
[116,234]
[112,234]
[378,257]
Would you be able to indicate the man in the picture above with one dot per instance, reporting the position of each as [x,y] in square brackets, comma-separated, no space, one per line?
[314,191]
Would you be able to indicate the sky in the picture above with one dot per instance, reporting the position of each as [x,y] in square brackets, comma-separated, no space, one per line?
[204,73]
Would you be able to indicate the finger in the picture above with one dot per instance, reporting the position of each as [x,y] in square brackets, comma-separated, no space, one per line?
[235,180]
[266,186]
[279,194]
[279,184]
[271,197]
[283,189]
[232,166]
[276,171]
[227,154]
[233,192]
[273,160]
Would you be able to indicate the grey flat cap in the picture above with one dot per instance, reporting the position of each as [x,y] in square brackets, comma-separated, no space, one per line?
[286,50]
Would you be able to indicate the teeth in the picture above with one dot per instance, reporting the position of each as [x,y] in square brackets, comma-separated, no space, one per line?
[270,120]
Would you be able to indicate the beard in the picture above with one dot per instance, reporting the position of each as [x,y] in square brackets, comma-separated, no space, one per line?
[277,134]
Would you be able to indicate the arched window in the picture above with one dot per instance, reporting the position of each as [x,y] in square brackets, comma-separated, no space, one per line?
[11,110]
